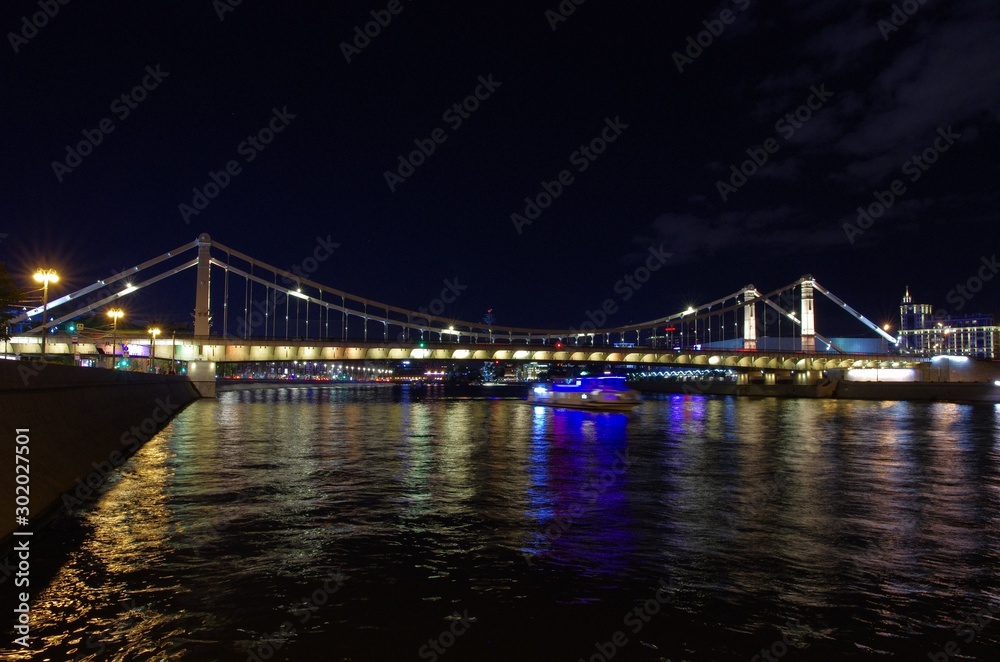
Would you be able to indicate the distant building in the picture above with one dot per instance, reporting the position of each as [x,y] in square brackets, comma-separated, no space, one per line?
[923,332]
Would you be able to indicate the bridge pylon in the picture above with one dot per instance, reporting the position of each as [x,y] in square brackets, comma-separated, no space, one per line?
[202,310]
[808,315]
[750,317]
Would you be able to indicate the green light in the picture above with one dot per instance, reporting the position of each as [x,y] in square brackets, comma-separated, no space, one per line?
[71,327]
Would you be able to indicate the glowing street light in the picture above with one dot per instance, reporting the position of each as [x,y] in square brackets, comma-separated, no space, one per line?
[152,345]
[115,314]
[45,276]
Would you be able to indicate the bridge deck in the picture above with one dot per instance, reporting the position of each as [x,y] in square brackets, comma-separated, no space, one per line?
[235,349]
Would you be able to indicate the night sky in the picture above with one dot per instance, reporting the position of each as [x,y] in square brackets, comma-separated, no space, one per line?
[671,118]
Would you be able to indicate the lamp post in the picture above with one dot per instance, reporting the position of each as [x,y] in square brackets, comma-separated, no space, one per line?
[152,345]
[115,314]
[45,276]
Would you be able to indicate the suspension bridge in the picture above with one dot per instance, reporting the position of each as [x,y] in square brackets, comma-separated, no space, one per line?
[278,315]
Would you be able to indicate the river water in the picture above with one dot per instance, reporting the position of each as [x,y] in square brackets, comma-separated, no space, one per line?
[373,522]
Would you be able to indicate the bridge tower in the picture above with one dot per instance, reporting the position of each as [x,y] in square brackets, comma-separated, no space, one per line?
[808,315]
[750,317]
[202,316]
[202,372]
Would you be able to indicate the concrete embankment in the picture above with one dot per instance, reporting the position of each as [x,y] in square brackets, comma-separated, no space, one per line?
[80,423]
[936,391]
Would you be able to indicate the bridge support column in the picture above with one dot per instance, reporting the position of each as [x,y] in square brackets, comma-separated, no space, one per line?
[808,316]
[750,318]
[202,311]
[202,375]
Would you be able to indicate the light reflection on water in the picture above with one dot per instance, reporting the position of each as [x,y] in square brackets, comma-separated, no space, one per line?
[849,526]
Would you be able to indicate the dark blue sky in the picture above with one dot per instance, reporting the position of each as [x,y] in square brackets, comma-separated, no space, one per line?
[681,117]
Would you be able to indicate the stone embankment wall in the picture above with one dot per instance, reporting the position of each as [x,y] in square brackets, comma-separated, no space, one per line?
[82,423]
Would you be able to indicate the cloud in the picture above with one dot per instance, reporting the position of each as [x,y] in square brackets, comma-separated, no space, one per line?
[770,231]
[938,70]
[946,77]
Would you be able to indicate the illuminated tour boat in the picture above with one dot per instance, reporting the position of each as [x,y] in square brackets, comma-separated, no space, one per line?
[596,393]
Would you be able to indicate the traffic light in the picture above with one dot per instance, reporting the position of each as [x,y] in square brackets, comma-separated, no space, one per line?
[422,344]
[71,327]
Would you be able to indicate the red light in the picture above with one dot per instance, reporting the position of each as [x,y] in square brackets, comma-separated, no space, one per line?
[670,328]
[558,345]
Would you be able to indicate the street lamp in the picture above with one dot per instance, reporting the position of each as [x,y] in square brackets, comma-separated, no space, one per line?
[114,314]
[45,276]
[152,345]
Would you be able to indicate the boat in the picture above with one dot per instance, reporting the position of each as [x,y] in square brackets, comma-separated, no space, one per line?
[607,393]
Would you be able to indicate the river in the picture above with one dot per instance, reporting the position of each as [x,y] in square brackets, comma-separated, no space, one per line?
[373,522]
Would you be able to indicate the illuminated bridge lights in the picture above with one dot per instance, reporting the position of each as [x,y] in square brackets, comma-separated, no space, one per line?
[269,308]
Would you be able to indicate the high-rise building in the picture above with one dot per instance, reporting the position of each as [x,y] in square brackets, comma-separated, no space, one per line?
[914,317]
[923,332]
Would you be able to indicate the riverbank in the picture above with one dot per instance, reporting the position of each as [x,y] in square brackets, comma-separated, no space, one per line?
[839,389]
[79,425]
